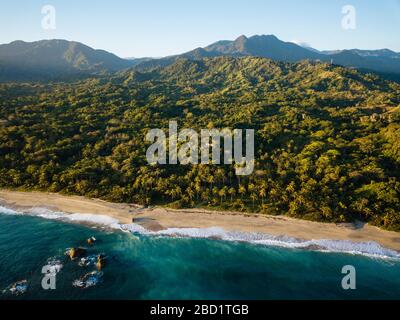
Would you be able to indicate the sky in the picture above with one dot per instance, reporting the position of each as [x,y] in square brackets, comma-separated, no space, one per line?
[155,28]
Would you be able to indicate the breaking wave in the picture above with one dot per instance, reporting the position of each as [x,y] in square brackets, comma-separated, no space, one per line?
[370,248]
[96,219]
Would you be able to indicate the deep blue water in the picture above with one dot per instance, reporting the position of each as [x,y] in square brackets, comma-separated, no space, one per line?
[148,267]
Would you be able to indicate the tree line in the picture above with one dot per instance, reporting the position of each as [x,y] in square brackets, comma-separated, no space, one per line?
[327,138]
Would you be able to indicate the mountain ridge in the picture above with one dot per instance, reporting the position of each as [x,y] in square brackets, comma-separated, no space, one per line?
[50,59]
[382,61]
[59,59]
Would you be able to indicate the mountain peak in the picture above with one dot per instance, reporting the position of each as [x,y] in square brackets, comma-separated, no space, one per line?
[54,58]
[241,38]
[58,58]
[265,36]
[266,46]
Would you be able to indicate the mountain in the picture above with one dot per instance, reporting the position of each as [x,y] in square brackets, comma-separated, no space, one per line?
[386,53]
[60,59]
[265,46]
[55,59]
[384,62]
[379,62]
[136,61]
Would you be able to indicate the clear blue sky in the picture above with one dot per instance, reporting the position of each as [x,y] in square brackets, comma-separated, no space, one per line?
[132,28]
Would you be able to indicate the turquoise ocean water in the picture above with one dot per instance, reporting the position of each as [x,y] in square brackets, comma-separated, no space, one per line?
[154,266]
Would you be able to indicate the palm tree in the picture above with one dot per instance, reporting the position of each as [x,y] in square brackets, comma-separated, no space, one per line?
[211,180]
[190,193]
[232,193]
[263,191]
[242,191]
[253,197]
[222,193]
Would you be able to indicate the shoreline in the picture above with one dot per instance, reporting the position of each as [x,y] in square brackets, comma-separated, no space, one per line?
[158,219]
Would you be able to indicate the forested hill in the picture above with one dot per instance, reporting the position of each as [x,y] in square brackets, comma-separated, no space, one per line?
[327,138]
[383,62]
[55,60]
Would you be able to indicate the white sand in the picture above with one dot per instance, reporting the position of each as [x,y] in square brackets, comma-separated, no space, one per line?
[160,218]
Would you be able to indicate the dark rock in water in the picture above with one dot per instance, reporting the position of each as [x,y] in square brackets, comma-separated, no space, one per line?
[91,241]
[101,262]
[17,288]
[55,264]
[75,253]
[88,280]
[88,261]
[97,260]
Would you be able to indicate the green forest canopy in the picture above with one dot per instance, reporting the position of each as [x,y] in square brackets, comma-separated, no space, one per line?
[327,138]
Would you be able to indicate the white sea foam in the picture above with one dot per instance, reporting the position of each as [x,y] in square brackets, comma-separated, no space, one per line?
[370,248]
[5,210]
[96,219]
[45,213]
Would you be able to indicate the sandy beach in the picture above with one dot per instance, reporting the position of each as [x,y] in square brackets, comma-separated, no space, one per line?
[161,218]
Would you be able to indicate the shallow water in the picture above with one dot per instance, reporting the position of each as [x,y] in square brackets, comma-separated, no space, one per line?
[154,266]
